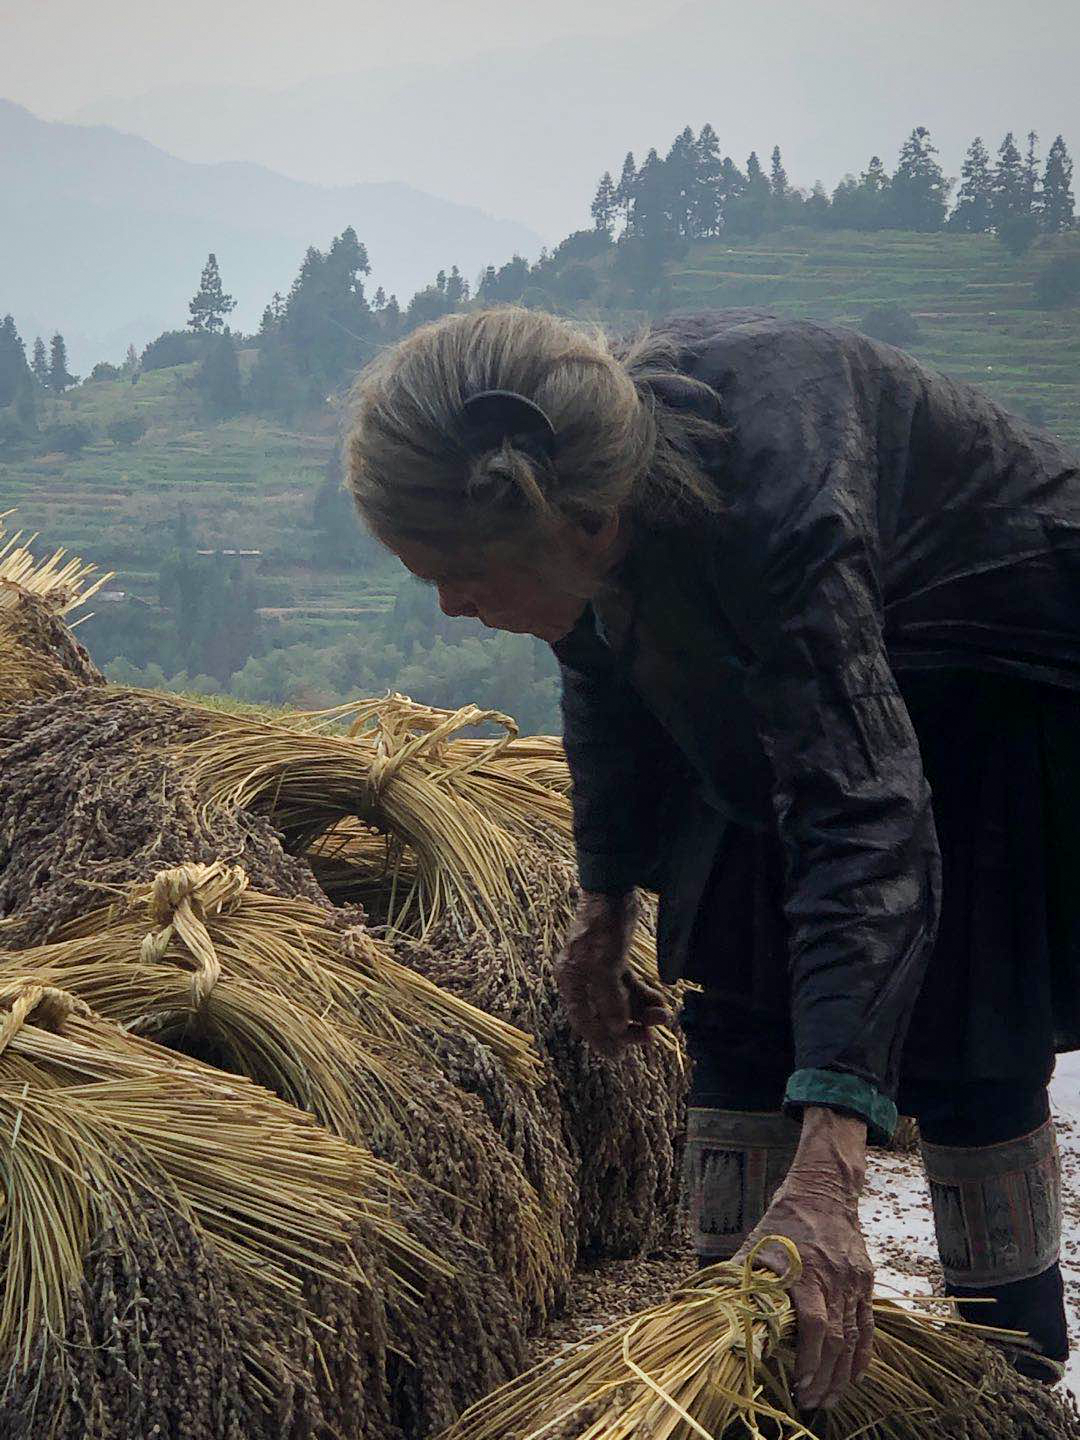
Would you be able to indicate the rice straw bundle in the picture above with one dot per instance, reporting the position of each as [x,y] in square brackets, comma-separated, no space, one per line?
[716,1361]
[163,1223]
[92,801]
[38,655]
[456,811]
[268,988]
[64,583]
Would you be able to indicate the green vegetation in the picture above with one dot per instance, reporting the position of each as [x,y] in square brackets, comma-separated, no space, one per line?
[974,306]
[206,471]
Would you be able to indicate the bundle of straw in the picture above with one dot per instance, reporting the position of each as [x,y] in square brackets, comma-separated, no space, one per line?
[715,1362]
[328,1020]
[163,1223]
[38,655]
[65,583]
[481,908]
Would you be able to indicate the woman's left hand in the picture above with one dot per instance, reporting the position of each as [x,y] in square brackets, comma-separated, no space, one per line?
[817,1209]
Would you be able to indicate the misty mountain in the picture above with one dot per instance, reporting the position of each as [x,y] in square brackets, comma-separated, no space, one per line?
[528,132]
[104,235]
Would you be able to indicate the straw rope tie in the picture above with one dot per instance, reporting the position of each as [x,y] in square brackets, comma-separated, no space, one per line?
[397,744]
[179,901]
[43,1005]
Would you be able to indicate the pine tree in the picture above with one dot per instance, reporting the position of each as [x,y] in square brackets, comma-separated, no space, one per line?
[457,288]
[681,180]
[748,200]
[210,304]
[624,191]
[755,176]
[131,362]
[707,218]
[1008,186]
[604,204]
[875,177]
[649,210]
[379,300]
[778,181]
[1030,194]
[867,206]
[975,198]
[326,322]
[39,365]
[59,377]
[918,190]
[732,181]
[15,376]
[1058,206]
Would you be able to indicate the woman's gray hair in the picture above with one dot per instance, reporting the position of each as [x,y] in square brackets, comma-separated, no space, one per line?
[629,430]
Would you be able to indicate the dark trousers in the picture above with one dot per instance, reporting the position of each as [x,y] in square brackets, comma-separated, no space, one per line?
[975,1114]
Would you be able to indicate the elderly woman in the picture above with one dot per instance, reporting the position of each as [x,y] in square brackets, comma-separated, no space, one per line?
[817,612]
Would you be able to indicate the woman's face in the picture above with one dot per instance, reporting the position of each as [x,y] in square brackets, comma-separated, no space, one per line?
[542,591]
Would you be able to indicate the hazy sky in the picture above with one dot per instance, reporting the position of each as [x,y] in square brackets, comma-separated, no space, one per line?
[57,55]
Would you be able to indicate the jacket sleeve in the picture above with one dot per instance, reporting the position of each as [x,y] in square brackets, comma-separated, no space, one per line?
[798,570]
[612,746]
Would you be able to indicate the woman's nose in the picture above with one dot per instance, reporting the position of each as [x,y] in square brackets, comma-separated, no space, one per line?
[454,604]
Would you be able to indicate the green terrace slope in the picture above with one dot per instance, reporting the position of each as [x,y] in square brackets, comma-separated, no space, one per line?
[974,304]
[243,483]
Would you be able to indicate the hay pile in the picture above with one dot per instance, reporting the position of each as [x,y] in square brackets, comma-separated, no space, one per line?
[160,892]
[297,1140]
[716,1362]
[40,655]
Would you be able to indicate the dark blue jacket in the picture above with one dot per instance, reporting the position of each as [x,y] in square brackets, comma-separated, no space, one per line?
[741,667]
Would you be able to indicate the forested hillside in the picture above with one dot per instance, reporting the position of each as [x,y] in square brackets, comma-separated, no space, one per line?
[206,470]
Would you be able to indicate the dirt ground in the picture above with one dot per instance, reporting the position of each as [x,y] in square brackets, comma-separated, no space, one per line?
[900,1232]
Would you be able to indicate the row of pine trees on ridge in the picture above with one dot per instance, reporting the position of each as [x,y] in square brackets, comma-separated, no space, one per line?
[311,339]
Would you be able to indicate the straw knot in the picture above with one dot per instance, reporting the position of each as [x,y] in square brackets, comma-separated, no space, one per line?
[179,902]
[43,1005]
[406,732]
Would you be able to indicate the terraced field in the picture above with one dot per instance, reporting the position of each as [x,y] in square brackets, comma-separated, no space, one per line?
[973,302]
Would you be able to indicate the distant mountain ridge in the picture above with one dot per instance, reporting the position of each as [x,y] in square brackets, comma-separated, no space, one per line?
[104,234]
[528,131]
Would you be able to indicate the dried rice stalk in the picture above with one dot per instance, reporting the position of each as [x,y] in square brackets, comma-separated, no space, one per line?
[331,1023]
[456,816]
[715,1362]
[109,1136]
[184,1254]
[64,583]
[38,655]
[292,948]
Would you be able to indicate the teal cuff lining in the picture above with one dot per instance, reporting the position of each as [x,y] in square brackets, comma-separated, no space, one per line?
[843,1092]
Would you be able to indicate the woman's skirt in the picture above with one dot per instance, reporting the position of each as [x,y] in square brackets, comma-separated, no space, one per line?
[1002,991]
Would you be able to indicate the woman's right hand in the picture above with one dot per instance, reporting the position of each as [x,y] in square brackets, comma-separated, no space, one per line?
[606,1003]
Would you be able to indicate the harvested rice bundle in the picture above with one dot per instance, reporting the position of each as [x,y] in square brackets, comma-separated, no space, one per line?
[716,1362]
[160,1225]
[622,1119]
[308,781]
[486,916]
[180,1248]
[38,654]
[91,801]
[269,989]
[64,583]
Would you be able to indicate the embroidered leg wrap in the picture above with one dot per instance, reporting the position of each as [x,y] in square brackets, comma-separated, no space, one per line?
[997,1208]
[735,1162]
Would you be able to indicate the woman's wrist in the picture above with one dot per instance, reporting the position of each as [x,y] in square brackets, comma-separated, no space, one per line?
[831,1157]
